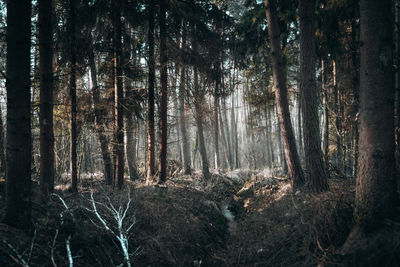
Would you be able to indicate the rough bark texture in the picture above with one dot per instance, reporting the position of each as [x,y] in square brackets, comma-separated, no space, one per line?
[119,94]
[279,76]
[316,178]
[99,121]
[18,188]
[150,97]
[72,95]
[46,98]
[163,93]
[376,196]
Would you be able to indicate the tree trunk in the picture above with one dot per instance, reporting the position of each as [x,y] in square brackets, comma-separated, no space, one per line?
[326,118]
[316,178]
[19,147]
[216,121]
[338,158]
[119,94]
[72,95]
[150,97]
[99,121]
[376,197]
[279,76]
[182,118]
[198,104]
[163,93]
[2,150]
[46,98]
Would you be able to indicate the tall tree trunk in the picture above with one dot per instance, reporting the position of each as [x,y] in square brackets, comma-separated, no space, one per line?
[227,134]
[397,92]
[300,127]
[316,179]
[182,118]
[338,158]
[163,93]
[198,103]
[234,134]
[130,133]
[376,196]
[150,96]
[100,124]
[2,150]
[72,95]
[46,98]
[19,147]
[119,94]
[131,137]
[279,74]
[326,117]
[216,121]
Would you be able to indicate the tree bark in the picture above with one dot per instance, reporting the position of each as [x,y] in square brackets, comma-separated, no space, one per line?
[150,97]
[19,147]
[72,95]
[279,76]
[119,94]
[316,178]
[163,93]
[46,98]
[376,196]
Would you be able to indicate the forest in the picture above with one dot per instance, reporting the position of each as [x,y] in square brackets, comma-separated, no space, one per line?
[199,133]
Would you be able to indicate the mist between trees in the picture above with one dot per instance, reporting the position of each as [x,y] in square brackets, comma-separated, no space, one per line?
[131,93]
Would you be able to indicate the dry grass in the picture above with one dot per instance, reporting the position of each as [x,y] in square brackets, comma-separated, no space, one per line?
[182,223]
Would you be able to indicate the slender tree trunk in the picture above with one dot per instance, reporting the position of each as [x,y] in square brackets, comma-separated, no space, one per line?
[224,139]
[2,150]
[182,118]
[397,92]
[19,147]
[46,98]
[163,93]
[99,121]
[198,103]
[279,74]
[119,94]
[234,134]
[150,104]
[376,196]
[337,119]
[216,122]
[72,95]
[131,147]
[130,134]
[317,180]
[227,134]
[326,117]
[300,127]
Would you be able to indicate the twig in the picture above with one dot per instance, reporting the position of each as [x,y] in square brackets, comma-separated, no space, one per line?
[19,258]
[52,249]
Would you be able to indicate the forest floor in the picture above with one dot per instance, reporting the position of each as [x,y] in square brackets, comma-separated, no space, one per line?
[237,218]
